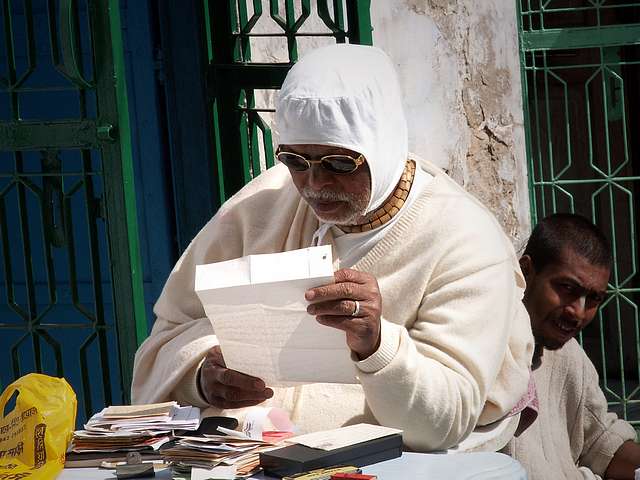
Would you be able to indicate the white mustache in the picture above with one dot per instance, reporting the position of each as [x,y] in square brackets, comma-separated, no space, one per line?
[325,195]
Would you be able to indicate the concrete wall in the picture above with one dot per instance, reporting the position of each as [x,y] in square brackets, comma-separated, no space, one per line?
[459,65]
[459,68]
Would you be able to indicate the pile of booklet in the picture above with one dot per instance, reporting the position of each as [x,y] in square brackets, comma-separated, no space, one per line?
[130,437]
[167,432]
[230,452]
[126,428]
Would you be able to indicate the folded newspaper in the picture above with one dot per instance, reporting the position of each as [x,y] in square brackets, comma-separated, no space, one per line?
[258,312]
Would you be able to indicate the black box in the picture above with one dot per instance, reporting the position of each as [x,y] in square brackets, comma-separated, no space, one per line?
[300,458]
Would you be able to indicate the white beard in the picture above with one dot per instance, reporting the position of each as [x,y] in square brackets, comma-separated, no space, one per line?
[351,216]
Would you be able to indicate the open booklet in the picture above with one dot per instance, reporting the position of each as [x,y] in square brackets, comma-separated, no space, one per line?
[258,311]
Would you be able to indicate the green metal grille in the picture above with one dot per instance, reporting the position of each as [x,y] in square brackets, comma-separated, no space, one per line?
[242,78]
[581,70]
[578,15]
[68,233]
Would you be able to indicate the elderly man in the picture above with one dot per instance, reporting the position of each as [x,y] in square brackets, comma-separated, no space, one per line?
[428,290]
[566,264]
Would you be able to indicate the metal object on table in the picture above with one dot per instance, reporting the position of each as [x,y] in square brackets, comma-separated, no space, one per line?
[134,467]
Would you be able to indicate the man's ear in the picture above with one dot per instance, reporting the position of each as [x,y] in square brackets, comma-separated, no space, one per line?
[526,265]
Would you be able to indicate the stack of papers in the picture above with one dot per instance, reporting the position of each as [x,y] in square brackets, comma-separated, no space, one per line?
[84,442]
[230,452]
[134,427]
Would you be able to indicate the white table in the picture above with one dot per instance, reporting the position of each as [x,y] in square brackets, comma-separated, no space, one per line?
[411,466]
[458,466]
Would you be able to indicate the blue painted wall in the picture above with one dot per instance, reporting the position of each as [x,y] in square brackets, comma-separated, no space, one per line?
[150,138]
[156,212]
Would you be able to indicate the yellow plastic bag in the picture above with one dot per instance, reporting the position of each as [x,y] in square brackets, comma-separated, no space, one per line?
[35,434]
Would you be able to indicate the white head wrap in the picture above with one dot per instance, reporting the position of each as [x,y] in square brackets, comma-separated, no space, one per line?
[348,96]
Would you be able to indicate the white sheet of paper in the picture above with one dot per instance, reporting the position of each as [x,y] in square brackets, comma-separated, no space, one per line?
[342,437]
[221,472]
[257,309]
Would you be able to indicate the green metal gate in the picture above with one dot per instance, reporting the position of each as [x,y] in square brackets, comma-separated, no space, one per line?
[240,89]
[581,94]
[68,228]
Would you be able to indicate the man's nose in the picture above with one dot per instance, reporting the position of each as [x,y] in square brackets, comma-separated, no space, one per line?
[318,177]
[578,310]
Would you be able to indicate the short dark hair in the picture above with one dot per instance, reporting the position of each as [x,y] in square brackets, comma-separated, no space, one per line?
[567,230]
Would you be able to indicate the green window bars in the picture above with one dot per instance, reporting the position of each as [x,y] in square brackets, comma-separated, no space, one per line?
[581,74]
[240,88]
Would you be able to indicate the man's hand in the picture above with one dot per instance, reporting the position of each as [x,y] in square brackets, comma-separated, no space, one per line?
[624,461]
[334,306]
[225,388]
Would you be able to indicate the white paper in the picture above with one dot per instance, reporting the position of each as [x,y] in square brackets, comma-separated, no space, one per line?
[258,311]
[275,279]
[260,419]
[254,422]
[181,418]
[233,433]
[342,437]
[216,473]
[138,411]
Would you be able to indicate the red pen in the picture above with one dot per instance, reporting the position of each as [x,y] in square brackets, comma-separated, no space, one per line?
[352,476]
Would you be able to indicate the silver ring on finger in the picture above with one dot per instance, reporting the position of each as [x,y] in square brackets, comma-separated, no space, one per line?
[356,309]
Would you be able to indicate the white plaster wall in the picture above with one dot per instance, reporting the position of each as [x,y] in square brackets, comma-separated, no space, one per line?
[458,65]
[460,70]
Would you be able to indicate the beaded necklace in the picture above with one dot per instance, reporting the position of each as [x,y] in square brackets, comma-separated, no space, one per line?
[391,207]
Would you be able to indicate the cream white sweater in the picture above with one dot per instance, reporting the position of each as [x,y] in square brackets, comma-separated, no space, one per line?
[456,341]
[574,436]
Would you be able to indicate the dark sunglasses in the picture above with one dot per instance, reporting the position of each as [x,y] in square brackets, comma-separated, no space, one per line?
[339,164]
